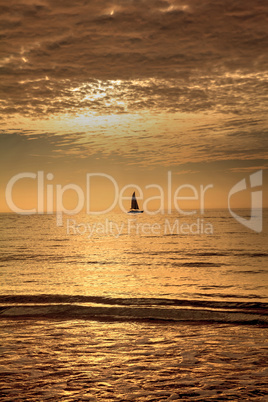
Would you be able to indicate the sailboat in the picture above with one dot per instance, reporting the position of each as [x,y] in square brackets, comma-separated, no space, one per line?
[134,206]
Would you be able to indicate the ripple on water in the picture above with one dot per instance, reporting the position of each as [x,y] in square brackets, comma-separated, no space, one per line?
[88,360]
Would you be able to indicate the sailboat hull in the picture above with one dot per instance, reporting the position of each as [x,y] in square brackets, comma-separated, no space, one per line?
[135,212]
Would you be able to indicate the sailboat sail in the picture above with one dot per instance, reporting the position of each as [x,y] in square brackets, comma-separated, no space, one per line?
[134,202]
[134,205]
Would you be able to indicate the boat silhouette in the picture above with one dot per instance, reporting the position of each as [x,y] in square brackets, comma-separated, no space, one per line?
[134,209]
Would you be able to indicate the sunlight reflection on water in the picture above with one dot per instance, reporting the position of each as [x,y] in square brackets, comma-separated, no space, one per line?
[88,360]
[45,259]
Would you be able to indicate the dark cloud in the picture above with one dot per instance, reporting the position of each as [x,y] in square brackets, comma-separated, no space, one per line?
[133,55]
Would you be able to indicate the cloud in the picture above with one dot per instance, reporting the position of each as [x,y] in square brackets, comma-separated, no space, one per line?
[142,143]
[249,168]
[131,56]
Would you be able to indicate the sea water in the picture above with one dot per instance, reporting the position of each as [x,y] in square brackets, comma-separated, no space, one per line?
[133,308]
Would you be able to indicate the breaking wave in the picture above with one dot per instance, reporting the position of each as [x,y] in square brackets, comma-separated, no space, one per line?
[133,309]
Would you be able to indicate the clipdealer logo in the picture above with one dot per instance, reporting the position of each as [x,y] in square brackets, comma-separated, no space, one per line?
[255,221]
[46,192]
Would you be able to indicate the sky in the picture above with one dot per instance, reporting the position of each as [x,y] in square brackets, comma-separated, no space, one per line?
[133,89]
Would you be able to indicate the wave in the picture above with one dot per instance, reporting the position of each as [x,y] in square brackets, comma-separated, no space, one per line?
[197,253]
[137,309]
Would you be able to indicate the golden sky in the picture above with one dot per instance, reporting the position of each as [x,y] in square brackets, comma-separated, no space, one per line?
[134,89]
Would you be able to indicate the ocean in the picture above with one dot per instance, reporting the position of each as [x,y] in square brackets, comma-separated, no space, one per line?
[122,307]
